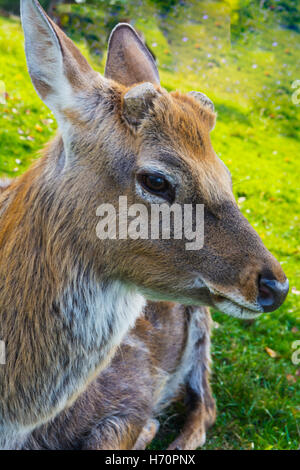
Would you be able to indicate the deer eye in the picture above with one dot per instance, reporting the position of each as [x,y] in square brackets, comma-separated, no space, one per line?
[157,184]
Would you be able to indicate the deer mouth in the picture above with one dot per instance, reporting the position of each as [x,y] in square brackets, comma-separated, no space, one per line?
[235,305]
[236,310]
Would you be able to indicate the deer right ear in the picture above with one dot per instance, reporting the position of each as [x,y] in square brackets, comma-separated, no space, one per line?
[128,59]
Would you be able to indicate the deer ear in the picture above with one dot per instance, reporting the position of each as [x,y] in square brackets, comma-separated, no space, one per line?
[128,59]
[56,67]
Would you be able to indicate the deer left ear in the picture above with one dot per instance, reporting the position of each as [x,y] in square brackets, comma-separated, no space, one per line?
[128,59]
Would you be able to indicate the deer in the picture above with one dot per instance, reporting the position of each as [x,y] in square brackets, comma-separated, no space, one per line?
[163,359]
[67,297]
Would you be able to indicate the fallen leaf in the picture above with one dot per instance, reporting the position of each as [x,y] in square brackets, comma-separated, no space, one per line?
[271,353]
[290,378]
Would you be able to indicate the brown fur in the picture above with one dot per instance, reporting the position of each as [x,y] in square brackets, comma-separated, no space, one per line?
[4,184]
[117,410]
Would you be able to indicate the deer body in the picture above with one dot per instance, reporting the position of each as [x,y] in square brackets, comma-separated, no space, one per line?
[67,298]
[165,357]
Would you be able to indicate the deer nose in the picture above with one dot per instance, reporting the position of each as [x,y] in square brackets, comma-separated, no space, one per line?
[271,293]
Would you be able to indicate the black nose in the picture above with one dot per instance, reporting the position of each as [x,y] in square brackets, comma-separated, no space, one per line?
[272,293]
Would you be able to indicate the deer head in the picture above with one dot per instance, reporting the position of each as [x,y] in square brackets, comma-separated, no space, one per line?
[123,135]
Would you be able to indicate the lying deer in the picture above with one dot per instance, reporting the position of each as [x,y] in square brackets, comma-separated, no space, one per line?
[68,298]
[164,358]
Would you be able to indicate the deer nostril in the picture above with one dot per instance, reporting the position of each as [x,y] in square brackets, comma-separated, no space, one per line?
[266,296]
[271,293]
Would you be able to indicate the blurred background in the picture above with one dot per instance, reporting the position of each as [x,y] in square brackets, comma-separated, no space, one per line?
[245,56]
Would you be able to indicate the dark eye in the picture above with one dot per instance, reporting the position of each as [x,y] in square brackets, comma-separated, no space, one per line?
[157,184]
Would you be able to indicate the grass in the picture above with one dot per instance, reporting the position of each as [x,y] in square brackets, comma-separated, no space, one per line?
[257,136]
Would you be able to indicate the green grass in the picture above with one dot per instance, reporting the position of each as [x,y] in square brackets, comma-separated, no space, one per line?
[258,137]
